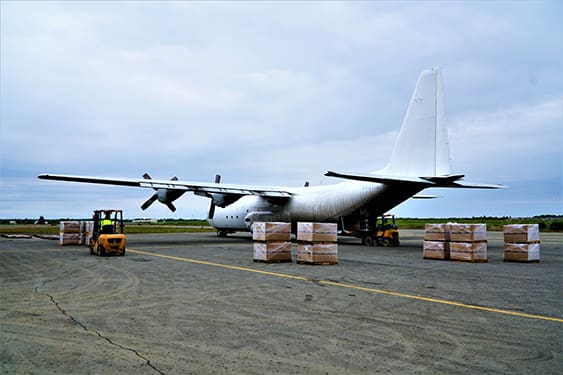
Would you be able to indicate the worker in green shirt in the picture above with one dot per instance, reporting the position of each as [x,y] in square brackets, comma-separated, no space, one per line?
[107,224]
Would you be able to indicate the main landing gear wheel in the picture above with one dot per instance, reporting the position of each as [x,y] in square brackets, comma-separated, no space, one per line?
[221,233]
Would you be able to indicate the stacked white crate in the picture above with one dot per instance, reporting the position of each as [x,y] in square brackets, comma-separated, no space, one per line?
[272,242]
[86,232]
[317,243]
[521,243]
[436,241]
[69,233]
[468,242]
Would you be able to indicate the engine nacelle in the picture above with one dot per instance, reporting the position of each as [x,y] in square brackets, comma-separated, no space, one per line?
[166,196]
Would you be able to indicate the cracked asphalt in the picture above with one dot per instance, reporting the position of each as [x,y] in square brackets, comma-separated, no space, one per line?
[197,304]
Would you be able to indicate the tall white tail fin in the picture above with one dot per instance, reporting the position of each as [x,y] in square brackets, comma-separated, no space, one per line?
[422,146]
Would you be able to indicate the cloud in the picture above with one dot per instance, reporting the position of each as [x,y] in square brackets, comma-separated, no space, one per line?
[515,143]
[270,93]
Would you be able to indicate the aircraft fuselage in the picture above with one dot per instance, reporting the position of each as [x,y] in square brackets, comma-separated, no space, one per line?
[327,203]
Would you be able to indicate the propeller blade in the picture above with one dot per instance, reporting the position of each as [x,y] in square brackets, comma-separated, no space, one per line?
[171,207]
[217,178]
[149,202]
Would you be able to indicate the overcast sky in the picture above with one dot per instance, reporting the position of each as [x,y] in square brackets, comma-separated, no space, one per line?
[273,93]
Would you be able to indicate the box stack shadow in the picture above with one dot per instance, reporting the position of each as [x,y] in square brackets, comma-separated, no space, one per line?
[317,243]
[521,243]
[272,242]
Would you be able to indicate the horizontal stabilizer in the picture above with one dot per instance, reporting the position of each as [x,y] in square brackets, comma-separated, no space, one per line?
[379,178]
[472,185]
[440,180]
[450,181]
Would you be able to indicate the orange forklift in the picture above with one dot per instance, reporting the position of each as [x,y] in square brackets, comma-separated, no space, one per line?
[108,237]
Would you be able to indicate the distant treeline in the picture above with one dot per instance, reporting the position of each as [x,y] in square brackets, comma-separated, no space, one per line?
[552,223]
[198,222]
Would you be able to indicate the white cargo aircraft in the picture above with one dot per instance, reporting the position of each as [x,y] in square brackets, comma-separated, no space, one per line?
[420,160]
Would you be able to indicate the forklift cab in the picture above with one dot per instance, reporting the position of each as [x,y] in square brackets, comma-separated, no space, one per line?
[107,222]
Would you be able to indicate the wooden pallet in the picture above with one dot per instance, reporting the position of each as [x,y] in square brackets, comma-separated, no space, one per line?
[522,260]
[470,260]
[316,263]
[273,261]
[431,258]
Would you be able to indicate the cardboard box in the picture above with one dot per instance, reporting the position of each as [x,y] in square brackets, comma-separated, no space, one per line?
[317,232]
[437,232]
[436,250]
[521,233]
[272,231]
[469,251]
[468,232]
[317,252]
[69,227]
[69,239]
[522,252]
[272,251]
[87,232]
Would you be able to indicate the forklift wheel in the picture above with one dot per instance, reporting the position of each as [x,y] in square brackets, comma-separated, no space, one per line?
[367,241]
[101,251]
[385,242]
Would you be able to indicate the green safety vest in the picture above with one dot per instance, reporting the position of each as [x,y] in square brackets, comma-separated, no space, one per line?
[106,222]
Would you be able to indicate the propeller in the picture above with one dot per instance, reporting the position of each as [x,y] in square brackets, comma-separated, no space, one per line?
[151,199]
[211,212]
[165,196]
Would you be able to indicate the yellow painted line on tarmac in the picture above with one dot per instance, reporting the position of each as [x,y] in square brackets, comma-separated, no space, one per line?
[300,278]
[441,301]
[355,287]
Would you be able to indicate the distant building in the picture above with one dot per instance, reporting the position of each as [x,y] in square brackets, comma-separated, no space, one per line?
[144,221]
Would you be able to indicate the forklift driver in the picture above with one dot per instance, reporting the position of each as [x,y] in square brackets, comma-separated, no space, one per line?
[107,224]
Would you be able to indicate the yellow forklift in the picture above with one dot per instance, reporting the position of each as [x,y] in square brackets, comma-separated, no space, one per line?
[387,231]
[108,237]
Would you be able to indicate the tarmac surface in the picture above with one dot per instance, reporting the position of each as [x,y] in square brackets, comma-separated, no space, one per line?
[198,304]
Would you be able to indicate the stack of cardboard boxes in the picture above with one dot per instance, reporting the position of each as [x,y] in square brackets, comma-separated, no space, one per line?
[75,232]
[86,232]
[69,233]
[521,243]
[463,242]
[436,241]
[468,242]
[316,243]
[272,242]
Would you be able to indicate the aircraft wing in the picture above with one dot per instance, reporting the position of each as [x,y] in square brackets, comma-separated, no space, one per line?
[181,186]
